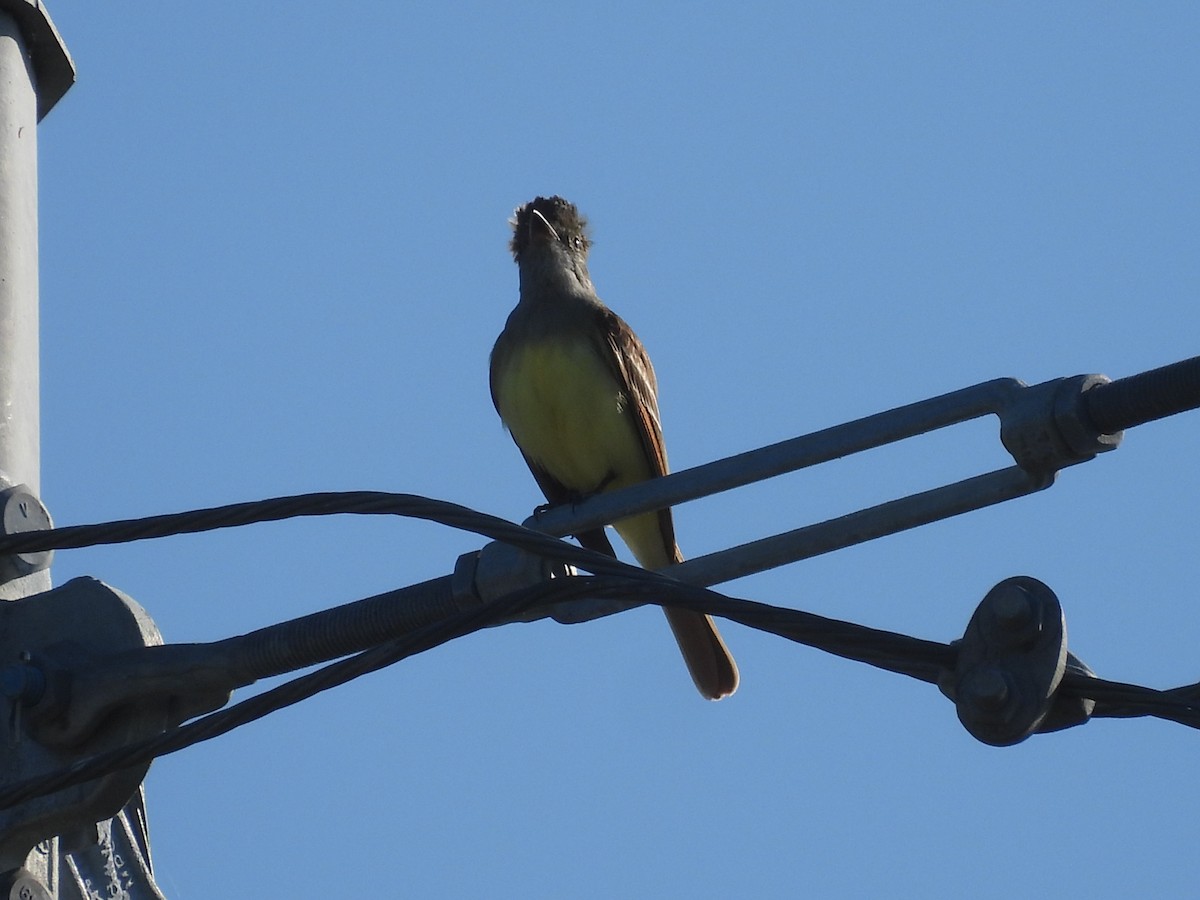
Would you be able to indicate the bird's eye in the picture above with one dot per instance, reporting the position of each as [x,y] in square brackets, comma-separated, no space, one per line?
[577,241]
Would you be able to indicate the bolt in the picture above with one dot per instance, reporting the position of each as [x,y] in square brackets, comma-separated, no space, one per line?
[986,690]
[1012,616]
[1011,607]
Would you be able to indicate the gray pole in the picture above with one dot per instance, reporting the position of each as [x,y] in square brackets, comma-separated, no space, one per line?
[20,436]
[35,71]
[19,412]
[19,420]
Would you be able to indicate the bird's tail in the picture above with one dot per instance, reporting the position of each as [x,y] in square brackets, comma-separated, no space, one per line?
[708,660]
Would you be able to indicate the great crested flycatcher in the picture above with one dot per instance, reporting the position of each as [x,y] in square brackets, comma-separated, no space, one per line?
[575,388]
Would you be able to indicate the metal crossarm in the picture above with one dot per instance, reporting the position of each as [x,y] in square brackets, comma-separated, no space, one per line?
[1045,428]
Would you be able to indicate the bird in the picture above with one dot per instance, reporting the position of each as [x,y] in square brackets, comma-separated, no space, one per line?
[576,390]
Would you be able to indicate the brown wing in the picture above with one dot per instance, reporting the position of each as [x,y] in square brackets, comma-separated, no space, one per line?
[708,659]
[630,365]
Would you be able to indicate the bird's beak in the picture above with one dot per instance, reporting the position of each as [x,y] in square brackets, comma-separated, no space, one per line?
[540,229]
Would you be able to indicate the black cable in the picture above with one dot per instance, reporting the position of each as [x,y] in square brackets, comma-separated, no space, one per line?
[275,509]
[1144,397]
[371,503]
[328,503]
[1117,700]
[343,630]
[306,686]
[920,659]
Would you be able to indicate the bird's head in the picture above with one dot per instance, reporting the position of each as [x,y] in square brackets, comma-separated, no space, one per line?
[550,239]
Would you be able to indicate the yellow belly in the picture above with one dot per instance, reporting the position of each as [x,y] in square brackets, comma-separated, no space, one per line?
[568,414]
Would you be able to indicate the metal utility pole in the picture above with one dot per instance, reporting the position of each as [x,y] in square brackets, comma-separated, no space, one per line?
[18,262]
[22,28]
[111,856]
[35,71]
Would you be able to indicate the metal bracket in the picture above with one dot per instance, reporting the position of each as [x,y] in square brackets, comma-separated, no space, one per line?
[499,569]
[52,66]
[21,511]
[44,639]
[1045,427]
[1010,664]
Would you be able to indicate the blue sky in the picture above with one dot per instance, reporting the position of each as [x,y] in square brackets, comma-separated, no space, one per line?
[274,260]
